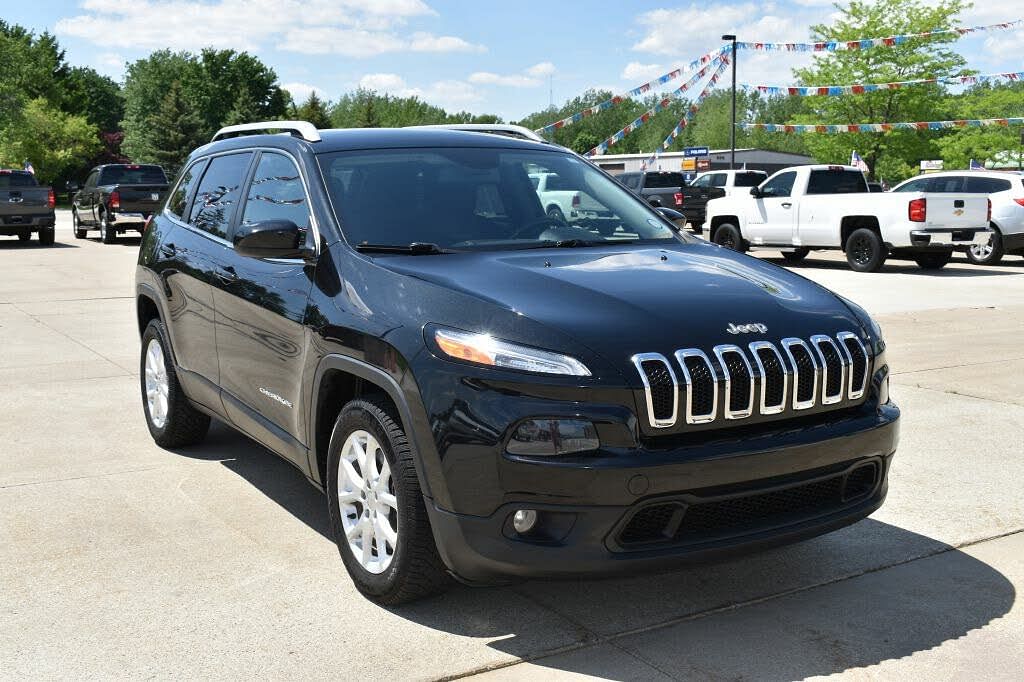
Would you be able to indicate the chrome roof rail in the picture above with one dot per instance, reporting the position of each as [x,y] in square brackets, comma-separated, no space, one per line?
[307,131]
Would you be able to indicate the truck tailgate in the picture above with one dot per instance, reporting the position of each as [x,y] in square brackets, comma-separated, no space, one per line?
[29,201]
[956,210]
[140,198]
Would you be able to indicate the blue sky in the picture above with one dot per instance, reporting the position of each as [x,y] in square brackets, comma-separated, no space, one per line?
[493,57]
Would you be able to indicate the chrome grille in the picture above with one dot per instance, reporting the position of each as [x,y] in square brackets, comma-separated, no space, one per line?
[764,378]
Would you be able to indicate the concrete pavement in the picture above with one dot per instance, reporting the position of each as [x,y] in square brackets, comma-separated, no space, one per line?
[121,559]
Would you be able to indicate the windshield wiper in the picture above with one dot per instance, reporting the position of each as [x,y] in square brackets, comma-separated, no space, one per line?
[415,248]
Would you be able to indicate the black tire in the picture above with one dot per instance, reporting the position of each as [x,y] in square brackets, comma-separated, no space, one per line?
[985,256]
[24,237]
[796,255]
[107,233]
[555,213]
[728,235]
[184,424]
[416,570]
[865,251]
[47,236]
[934,260]
[80,232]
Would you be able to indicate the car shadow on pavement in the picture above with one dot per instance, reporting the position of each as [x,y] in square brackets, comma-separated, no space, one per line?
[897,266]
[862,595]
[34,245]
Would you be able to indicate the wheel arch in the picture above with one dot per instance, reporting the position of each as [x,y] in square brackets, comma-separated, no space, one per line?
[719,220]
[849,224]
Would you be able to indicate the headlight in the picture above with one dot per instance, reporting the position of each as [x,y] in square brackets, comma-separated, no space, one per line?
[484,349]
[876,331]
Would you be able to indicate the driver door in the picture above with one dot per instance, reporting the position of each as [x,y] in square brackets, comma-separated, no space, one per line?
[775,210]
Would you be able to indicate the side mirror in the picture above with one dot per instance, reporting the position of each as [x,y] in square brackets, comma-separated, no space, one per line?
[270,239]
[677,219]
[755,192]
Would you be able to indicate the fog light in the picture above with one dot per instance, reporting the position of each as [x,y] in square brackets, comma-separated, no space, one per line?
[547,437]
[524,520]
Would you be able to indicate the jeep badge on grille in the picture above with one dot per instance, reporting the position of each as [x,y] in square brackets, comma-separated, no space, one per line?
[746,328]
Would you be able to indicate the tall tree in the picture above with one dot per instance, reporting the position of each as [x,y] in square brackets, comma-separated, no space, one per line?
[892,154]
[177,130]
[146,85]
[97,98]
[991,142]
[315,111]
[243,111]
[55,142]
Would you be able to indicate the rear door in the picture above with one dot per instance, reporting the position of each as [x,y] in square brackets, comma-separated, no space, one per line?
[261,306]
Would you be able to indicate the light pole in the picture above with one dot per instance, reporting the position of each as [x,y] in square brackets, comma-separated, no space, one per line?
[732,130]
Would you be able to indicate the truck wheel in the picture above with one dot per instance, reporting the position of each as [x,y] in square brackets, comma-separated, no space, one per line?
[987,254]
[556,214]
[865,251]
[728,235]
[76,226]
[46,236]
[796,255]
[107,233]
[171,419]
[933,261]
[24,236]
[377,511]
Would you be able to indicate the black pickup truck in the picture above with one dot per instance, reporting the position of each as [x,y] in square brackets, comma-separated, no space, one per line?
[669,189]
[116,198]
[25,207]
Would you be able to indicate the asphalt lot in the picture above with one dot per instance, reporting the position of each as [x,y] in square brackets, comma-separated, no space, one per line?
[120,559]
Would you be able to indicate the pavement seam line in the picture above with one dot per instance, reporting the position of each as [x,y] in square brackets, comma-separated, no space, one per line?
[964,364]
[956,393]
[68,336]
[79,478]
[609,639]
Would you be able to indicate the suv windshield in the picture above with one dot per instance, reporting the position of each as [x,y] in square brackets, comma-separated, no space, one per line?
[470,198]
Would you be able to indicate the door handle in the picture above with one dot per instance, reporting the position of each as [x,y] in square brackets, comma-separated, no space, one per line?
[169,249]
[226,274]
[786,204]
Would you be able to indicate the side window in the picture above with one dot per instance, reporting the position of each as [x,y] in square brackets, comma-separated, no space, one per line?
[276,193]
[946,185]
[91,180]
[978,185]
[631,181]
[918,185]
[702,181]
[718,180]
[177,202]
[779,186]
[218,193]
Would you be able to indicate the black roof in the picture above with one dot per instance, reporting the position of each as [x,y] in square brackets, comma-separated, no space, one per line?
[350,139]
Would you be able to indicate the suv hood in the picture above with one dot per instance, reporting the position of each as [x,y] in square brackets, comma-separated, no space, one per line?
[619,301]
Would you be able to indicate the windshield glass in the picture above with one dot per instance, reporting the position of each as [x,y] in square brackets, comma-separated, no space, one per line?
[469,198]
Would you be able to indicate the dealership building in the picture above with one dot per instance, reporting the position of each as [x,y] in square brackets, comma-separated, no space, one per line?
[755,159]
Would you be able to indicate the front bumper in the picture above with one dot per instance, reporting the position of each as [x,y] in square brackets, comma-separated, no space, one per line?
[964,238]
[699,504]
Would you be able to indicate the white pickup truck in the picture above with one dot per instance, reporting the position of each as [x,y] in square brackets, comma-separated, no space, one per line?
[829,207]
[564,205]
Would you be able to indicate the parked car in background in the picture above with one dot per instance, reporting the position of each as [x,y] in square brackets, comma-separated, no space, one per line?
[829,207]
[488,393]
[561,201]
[876,187]
[25,207]
[117,198]
[732,181]
[669,189]
[1005,189]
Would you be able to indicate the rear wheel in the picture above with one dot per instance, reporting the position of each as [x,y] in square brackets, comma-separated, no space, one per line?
[988,254]
[865,251]
[933,261]
[24,236]
[107,232]
[728,235]
[46,236]
[796,255]
[171,419]
[556,214]
[378,515]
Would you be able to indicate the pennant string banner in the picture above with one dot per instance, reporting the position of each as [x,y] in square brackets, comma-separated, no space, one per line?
[865,43]
[720,62]
[635,92]
[830,129]
[860,88]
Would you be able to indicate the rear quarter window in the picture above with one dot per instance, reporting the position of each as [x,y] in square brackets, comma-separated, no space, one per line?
[749,179]
[986,185]
[836,182]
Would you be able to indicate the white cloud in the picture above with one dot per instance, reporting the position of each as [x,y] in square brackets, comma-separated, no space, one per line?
[383,82]
[353,28]
[300,92]
[541,70]
[635,71]
[512,81]
[110,64]
[449,94]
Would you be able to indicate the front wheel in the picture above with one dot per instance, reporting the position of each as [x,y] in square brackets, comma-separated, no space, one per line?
[987,254]
[171,419]
[933,261]
[865,251]
[555,213]
[378,515]
[728,235]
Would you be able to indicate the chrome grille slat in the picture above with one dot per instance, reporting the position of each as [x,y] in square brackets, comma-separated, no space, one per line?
[792,375]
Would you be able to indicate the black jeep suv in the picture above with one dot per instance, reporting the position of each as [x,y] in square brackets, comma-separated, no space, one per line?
[488,393]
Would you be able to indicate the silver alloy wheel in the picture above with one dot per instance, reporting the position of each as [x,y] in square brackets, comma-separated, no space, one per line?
[367,502]
[157,387]
[983,251]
